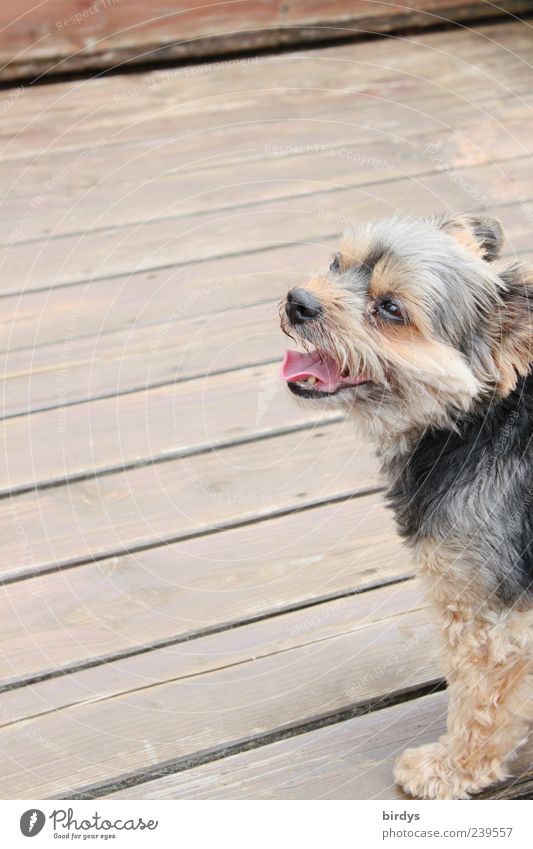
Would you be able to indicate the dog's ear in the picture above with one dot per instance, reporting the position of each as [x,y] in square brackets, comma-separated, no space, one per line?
[513,351]
[480,235]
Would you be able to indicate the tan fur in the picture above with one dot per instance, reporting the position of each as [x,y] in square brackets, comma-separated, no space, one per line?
[462,228]
[391,275]
[512,348]
[353,252]
[461,232]
[488,664]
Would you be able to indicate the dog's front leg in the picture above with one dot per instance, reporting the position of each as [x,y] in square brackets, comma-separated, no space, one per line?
[488,661]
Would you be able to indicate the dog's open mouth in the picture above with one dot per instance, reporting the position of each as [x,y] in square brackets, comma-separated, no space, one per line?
[316,374]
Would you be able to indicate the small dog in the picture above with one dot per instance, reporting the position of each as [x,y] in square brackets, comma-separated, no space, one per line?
[420,333]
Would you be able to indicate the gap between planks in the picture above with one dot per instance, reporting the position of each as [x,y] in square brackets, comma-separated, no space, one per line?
[250,187]
[286,563]
[28,574]
[169,769]
[142,649]
[157,356]
[467,43]
[167,456]
[129,258]
[295,650]
[185,498]
[352,760]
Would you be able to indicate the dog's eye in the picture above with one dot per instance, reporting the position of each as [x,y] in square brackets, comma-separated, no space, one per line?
[389,310]
[336,264]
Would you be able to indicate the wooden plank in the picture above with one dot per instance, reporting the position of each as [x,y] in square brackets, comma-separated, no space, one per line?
[119,432]
[167,501]
[390,649]
[116,606]
[186,193]
[221,141]
[159,296]
[176,191]
[218,650]
[68,121]
[60,37]
[57,154]
[477,43]
[76,115]
[114,363]
[351,760]
[186,239]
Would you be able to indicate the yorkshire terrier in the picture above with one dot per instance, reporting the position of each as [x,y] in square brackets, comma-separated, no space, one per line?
[418,331]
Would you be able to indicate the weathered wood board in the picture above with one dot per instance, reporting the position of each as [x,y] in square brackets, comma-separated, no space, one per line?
[61,36]
[349,760]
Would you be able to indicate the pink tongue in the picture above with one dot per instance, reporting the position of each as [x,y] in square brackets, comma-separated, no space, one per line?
[298,366]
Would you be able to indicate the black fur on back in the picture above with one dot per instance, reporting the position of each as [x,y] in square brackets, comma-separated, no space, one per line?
[474,486]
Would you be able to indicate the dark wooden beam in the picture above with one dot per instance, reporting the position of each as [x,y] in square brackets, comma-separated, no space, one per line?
[71,36]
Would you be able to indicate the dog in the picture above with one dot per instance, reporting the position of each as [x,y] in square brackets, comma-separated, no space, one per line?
[424,336]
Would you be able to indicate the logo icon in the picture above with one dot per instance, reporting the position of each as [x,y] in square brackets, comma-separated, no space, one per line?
[32,822]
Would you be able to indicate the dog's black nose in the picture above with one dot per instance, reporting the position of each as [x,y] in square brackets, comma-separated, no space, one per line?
[301,306]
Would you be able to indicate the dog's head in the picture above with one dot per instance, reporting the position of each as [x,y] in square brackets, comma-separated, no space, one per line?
[412,324]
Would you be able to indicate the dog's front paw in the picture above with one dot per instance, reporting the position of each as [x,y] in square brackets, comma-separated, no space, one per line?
[428,773]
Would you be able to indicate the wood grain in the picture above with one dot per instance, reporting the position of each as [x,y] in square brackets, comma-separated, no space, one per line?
[186,191]
[119,432]
[59,36]
[101,610]
[189,239]
[350,760]
[158,503]
[360,650]
[114,363]
[320,116]
[432,82]
[163,296]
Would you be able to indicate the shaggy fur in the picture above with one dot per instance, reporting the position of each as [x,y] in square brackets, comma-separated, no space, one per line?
[429,341]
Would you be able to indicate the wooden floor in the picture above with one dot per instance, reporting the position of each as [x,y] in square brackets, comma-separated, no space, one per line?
[203,595]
